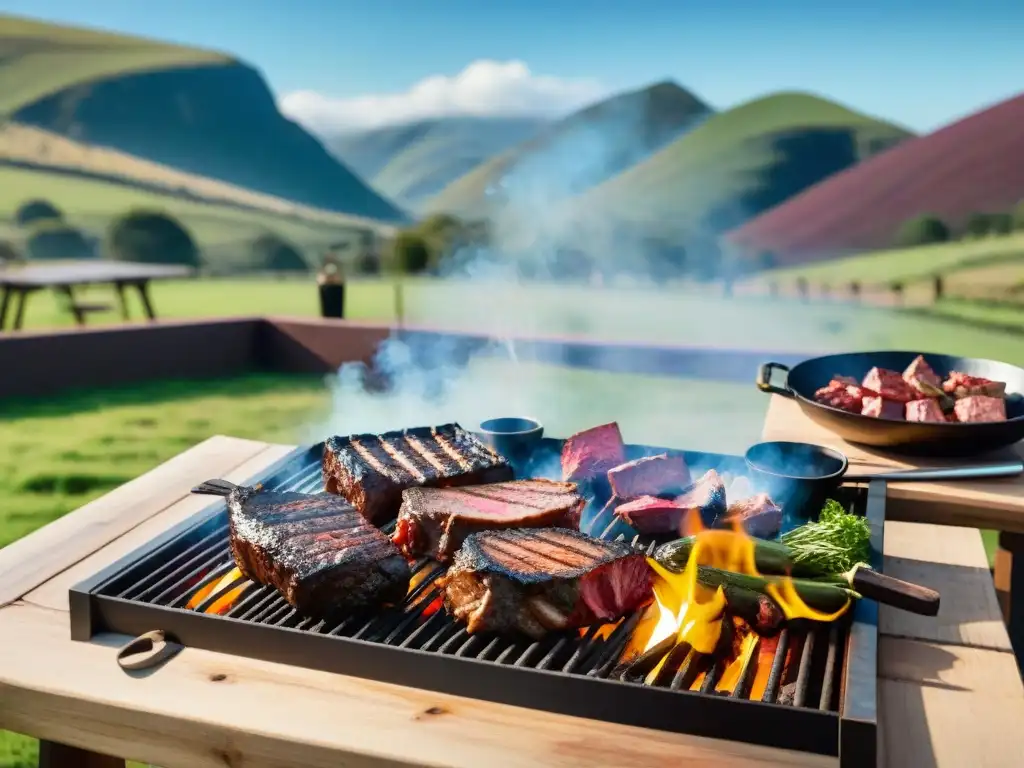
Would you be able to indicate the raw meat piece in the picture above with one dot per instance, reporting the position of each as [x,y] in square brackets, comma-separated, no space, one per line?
[652,476]
[963,385]
[543,580]
[316,549]
[435,521]
[371,471]
[649,514]
[881,408]
[759,515]
[974,409]
[924,410]
[889,385]
[922,378]
[590,454]
[842,395]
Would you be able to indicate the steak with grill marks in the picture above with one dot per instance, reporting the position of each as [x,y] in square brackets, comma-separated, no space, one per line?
[543,580]
[371,471]
[316,549]
[435,521]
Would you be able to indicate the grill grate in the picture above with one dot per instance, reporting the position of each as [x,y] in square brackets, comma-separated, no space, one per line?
[792,693]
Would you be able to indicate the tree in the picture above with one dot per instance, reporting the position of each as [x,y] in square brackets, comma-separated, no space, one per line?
[412,252]
[152,237]
[923,230]
[978,225]
[442,232]
[34,211]
[274,254]
[59,241]
[1000,223]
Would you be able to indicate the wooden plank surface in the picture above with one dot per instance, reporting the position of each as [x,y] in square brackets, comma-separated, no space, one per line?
[30,561]
[996,503]
[948,706]
[952,561]
[203,710]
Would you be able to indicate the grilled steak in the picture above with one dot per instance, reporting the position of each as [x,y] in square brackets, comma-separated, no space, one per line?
[588,455]
[543,580]
[759,516]
[371,471]
[652,476]
[435,521]
[319,553]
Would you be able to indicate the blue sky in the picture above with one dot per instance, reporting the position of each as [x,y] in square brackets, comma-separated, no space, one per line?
[918,63]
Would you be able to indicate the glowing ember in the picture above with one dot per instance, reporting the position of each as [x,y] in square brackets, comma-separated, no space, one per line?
[224,602]
[731,676]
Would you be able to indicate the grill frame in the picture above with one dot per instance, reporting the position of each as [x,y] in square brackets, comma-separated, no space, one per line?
[849,733]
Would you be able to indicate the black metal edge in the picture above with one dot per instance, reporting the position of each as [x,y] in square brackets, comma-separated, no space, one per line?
[80,607]
[771,725]
[858,727]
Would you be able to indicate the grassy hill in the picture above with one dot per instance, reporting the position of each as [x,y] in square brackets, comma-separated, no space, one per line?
[577,152]
[410,162]
[973,165]
[196,111]
[739,163]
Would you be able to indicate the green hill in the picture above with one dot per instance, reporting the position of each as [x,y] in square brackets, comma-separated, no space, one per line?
[577,152]
[196,111]
[740,163]
[413,161]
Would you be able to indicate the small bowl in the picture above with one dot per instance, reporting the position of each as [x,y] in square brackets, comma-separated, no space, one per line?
[798,476]
[514,437]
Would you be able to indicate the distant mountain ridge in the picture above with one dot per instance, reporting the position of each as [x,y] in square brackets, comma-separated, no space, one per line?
[577,152]
[412,161]
[214,117]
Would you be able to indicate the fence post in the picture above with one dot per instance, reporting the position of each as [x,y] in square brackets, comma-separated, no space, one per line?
[801,287]
[855,290]
[897,290]
[940,288]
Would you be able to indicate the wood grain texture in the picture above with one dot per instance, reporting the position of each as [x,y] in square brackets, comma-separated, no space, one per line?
[203,710]
[996,503]
[53,593]
[948,706]
[42,554]
[951,561]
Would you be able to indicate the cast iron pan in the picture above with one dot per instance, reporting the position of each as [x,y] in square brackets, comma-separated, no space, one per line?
[917,438]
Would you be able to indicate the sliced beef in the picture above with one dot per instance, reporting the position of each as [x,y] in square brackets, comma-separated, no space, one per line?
[758,515]
[706,496]
[371,471]
[651,476]
[880,408]
[650,514]
[979,408]
[963,385]
[588,455]
[316,549]
[435,521]
[922,377]
[889,385]
[924,410]
[543,580]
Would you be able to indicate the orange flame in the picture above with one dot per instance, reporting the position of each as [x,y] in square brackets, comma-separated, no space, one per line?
[731,676]
[223,603]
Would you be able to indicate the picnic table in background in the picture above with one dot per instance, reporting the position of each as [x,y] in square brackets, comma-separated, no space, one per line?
[64,277]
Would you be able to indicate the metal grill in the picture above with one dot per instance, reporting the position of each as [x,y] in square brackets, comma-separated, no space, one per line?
[817,683]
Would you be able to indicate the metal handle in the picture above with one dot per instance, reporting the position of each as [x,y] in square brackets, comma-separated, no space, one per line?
[147,651]
[977,472]
[764,379]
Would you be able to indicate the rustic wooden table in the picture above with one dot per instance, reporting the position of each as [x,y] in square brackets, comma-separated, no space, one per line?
[996,504]
[949,691]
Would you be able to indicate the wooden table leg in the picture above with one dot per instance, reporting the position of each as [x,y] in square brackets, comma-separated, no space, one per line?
[4,305]
[146,303]
[122,299]
[19,314]
[1011,547]
[53,755]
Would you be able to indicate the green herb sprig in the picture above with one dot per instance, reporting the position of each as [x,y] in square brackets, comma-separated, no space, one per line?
[835,543]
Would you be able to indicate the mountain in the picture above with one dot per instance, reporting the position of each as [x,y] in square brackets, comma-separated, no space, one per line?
[739,163]
[577,152]
[972,165]
[413,161]
[195,111]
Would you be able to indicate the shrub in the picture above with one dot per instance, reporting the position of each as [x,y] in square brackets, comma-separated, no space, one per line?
[1018,216]
[923,230]
[274,254]
[1000,223]
[412,252]
[154,238]
[59,241]
[34,211]
[978,224]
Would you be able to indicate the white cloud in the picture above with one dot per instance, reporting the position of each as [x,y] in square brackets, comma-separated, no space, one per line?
[484,87]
